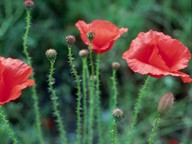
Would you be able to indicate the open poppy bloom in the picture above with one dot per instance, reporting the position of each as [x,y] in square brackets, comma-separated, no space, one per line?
[14,76]
[158,55]
[106,33]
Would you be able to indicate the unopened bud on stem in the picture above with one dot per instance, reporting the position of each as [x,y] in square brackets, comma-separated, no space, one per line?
[90,35]
[83,52]
[70,39]
[116,65]
[165,103]
[118,114]
[51,54]
[29,3]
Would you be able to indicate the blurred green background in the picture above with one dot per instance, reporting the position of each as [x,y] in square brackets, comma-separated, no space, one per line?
[52,21]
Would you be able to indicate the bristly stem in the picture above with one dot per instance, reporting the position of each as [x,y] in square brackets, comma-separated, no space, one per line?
[55,104]
[98,101]
[7,126]
[77,78]
[85,78]
[91,97]
[155,125]
[115,91]
[137,108]
[114,132]
[34,89]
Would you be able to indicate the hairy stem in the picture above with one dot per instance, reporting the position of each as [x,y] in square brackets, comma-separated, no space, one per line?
[77,78]
[55,104]
[137,108]
[114,132]
[155,125]
[34,89]
[98,102]
[7,126]
[91,98]
[85,111]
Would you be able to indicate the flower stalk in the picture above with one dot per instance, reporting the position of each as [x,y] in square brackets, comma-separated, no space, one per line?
[137,108]
[7,126]
[98,102]
[155,125]
[77,78]
[51,55]
[34,89]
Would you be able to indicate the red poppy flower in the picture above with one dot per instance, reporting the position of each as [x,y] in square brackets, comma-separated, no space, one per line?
[106,33]
[158,55]
[14,76]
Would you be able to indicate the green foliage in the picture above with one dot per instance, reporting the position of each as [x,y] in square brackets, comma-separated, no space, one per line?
[52,21]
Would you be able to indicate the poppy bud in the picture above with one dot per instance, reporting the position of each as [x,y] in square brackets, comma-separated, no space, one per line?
[116,65]
[83,52]
[118,114]
[165,103]
[29,3]
[90,35]
[70,40]
[51,54]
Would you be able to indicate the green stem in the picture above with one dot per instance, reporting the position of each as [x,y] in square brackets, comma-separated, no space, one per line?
[137,108]
[7,126]
[155,125]
[34,89]
[91,98]
[74,72]
[114,132]
[115,91]
[98,102]
[55,104]
[84,77]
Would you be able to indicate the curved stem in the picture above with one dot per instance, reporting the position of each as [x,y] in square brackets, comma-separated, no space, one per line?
[74,72]
[137,108]
[114,132]
[34,89]
[55,104]
[7,126]
[155,125]
[84,77]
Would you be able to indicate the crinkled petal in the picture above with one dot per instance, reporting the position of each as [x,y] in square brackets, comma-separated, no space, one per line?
[174,53]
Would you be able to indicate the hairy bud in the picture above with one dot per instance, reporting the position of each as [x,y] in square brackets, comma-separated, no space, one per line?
[118,114]
[90,35]
[165,103]
[29,3]
[70,39]
[51,54]
[83,52]
[116,65]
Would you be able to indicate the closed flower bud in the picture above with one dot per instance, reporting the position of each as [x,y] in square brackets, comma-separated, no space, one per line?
[51,54]
[29,3]
[118,114]
[165,103]
[70,39]
[83,52]
[90,35]
[116,65]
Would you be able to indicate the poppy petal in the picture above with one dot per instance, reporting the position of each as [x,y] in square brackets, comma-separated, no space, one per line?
[13,79]
[106,33]
[174,53]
